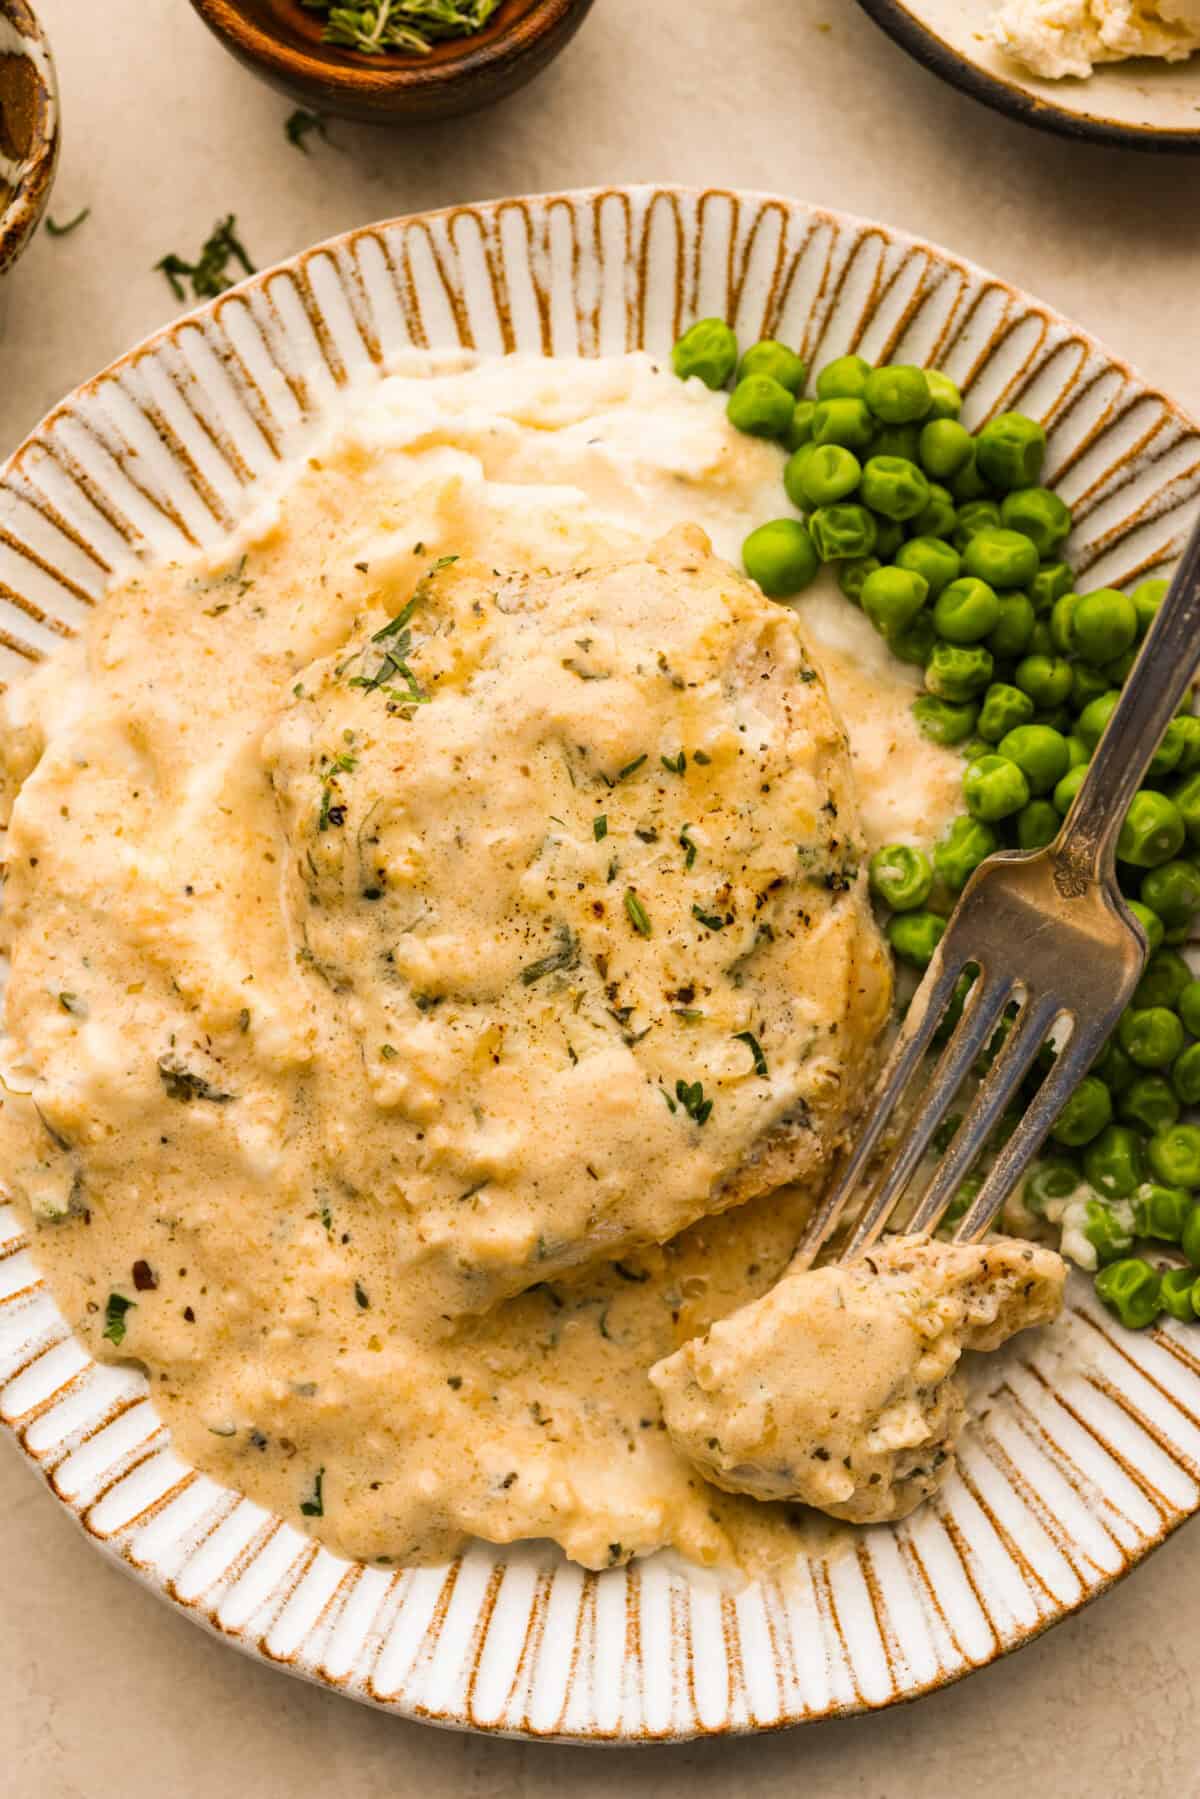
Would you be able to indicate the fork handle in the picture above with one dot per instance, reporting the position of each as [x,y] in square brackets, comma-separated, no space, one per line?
[1149,700]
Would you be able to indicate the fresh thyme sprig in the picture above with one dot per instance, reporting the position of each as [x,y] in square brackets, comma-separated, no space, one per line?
[409,25]
[299,124]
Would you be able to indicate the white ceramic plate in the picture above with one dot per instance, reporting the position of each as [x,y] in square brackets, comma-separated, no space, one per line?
[1143,104]
[1088,1451]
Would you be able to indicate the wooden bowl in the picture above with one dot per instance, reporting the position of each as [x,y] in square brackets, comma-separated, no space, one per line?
[28,127]
[281,41]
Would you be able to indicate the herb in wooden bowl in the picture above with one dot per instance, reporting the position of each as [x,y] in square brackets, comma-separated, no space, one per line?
[411,26]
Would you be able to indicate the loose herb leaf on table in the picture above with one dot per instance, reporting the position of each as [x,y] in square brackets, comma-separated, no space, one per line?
[299,124]
[209,276]
[410,25]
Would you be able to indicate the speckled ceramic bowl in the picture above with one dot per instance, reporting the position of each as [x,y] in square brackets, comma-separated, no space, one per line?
[29,130]
[1138,105]
[1085,1451]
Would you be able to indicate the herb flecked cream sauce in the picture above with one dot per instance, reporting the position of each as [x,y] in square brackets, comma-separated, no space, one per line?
[441,964]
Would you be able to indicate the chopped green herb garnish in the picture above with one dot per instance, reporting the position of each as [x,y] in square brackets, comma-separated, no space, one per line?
[639,918]
[693,1101]
[71,1002]
[184,1085]
[331,813]
[600,827]
[360,1297]
[630,768]
[114,1317]
[388,1051]
[54,229]
[711,920]
[688,846]
[413,26]
[314,1507]
[210,275]
[674,765]
[671,1106]
[244,1019]
[752,1044]
[300,124]
[701,758]
[565,956]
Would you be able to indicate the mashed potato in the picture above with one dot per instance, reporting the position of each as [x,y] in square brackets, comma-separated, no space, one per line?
[1058,38]
[438,926]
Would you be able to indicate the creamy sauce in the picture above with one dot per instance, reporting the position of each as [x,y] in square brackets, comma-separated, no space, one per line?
[344,1047]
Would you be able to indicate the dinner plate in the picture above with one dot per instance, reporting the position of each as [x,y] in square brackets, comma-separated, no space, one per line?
[1085,1451]
[1141,105]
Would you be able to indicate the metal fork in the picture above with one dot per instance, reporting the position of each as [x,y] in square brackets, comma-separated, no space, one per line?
[1048,933]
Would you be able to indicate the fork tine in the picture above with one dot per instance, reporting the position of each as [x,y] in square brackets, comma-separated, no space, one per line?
[982,1014]
[1003,1078]
[1071,1064]
[913,1040]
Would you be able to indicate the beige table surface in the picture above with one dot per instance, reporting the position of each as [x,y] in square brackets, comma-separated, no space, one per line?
[104,1693]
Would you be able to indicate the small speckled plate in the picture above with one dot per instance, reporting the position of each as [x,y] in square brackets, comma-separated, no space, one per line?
[1139,105]
[1085,1453]
[29,128]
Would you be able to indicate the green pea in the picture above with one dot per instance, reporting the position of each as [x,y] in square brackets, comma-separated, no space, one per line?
[1057,718]
[1185,1076]
[1050,583]
[1046,679]
[780,556]
[1190,1237]
[1052,1179]
[1066,789]
[940,516]
[827,474]
[1187,800]
[842,531]
[945,401]
[1039,752]
[965,844]
[901,877]
[1093,720]
[945,446]
[1112,1162]
[1087,684]
[1149,1102]
[1104,625]
[943,722]
[774,359]
[1132,1290]
[966,611]
[1147,597]
[889,537]
[1040,642]
[994,788]
[1115,1069]
[974,748]
[1038,824]
[915,935]
[1003,708]
[760,407]
[1151,1036]
[1085,1114]
[1010,451]
[1014,627]
[913,642]
[968,483]
[1152,924]
[1106,1231]
[1162,1212]
[903,441]
[1120,669]
[936,562]
[1078,750]
[1167,756]
[708,350]
[999,557]
[897,393]
[958,672]
[1188,1006]
[852,575]
[1189,742]
[892,597]
[799,432]
[1175,1293]
[1165,977]
[1174,1156]
[1039,515]
[845,378]
[973,517]
[1152,832]
[1172,890]
[894,487]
